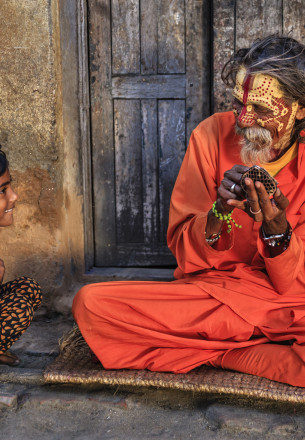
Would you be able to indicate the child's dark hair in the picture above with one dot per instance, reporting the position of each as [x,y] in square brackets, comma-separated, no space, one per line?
[3,162]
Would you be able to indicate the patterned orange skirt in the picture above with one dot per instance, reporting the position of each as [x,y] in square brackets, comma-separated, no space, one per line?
[18,301]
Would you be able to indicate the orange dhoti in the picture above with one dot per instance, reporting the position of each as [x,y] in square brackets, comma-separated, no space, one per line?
[177,326]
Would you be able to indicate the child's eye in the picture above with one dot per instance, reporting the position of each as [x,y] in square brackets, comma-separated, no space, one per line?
[3,190]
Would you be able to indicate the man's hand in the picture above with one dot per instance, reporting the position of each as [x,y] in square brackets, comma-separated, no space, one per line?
[230,189]
[271,212]
[2,270]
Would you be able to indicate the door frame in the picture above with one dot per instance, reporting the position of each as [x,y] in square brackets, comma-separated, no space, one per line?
[85,134]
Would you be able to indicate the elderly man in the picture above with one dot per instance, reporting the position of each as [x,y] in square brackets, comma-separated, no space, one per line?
[238,301]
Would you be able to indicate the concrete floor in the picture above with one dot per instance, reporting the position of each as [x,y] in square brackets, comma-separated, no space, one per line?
[30,409]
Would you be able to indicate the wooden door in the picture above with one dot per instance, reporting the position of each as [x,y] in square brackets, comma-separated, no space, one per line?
[149,87]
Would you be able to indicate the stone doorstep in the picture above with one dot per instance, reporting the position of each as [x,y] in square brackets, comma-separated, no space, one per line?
[10,394]
[39,397]
[36,348]
[8,399]
[16,395]
[41,338]
[14,375]
[248,420]
[226,419]
[49,408]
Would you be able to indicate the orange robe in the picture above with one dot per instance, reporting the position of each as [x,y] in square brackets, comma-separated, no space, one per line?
[231,306]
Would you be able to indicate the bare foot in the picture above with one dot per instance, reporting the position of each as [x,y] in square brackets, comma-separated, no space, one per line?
[8,358]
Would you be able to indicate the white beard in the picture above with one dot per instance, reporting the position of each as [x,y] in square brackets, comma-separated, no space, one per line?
[256,143]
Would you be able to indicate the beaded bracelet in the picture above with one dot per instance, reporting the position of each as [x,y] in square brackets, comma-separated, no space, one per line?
[279,239]
[227,218]
[213,238]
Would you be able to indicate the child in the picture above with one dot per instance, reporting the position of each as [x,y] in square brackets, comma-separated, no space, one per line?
[18,298]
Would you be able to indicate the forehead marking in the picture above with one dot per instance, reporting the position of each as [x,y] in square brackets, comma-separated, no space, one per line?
[246,86]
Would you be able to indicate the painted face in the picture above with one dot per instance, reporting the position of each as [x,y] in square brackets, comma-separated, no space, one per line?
[259,100]
[7,200]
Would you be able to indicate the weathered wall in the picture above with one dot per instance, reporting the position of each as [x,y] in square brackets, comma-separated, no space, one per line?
[30,136]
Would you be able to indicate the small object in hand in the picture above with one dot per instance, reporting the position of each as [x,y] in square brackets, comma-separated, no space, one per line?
[259,174]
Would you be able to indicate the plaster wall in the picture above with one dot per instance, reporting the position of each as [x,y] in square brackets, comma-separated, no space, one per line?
[32,135]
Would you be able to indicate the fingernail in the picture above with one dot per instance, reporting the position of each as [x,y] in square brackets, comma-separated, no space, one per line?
[257,184]
[277,192]
[247,181]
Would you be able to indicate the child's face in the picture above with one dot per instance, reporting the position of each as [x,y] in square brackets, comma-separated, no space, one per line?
[7,199]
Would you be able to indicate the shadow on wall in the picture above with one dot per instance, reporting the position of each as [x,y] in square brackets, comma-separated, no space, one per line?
[32,245]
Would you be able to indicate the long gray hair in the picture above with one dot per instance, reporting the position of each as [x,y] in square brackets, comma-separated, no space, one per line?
[280,57]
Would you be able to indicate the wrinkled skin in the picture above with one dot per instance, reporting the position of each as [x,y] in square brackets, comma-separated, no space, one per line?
[271,212]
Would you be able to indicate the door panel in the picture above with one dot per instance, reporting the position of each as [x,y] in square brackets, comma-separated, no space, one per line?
[171,119]
[128,182]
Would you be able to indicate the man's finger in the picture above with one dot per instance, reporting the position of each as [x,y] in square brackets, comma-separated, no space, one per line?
[252,196]
[240,168]
[237,204]
[235,173]
[264,201]
[226,193]
[281,201]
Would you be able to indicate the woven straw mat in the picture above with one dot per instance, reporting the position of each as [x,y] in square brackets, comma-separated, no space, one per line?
[74,365]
